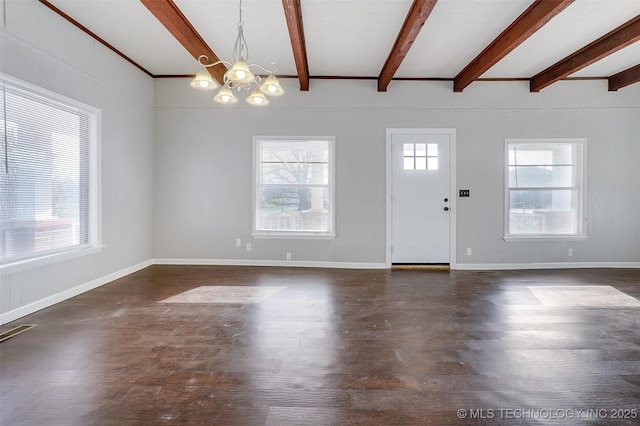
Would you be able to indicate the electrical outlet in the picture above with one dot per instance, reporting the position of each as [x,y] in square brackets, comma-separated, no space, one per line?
[570,252]
[238,242]
[248,246]
[469,251]
[288,256]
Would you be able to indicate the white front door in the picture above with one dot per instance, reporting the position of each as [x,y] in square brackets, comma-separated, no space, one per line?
[420,196]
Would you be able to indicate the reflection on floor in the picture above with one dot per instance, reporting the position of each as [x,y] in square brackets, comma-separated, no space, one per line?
[223,345]
[224,294]
[595,296]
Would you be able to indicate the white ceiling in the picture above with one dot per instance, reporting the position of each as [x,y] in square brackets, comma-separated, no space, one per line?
[354,37]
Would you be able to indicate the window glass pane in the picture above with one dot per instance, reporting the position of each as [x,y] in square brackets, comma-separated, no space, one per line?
[408,163]
[432,163]
[536,176]
[44,181]
[66,177]
[421,163]
[432,150]
[545,195]
[421,150]
[407,149]
[541,154]
[317,174]
[543,212]
[296,151]
[563,154]
[294,186]
[294,173]
[292,209]
[531,156]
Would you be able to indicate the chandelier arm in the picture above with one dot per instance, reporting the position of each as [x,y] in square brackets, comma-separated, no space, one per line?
[239,87]
[207,65]
[218,63]
[274,66]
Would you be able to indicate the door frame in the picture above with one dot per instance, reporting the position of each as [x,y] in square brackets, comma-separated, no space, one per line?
[452,186]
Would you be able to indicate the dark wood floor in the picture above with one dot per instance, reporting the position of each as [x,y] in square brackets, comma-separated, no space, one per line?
[330,347]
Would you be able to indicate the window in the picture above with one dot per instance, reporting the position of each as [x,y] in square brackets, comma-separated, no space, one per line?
[545,188]
[294,187]
[48,174]
[420,156]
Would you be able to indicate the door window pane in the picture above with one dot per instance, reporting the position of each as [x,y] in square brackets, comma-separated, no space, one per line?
[420,156]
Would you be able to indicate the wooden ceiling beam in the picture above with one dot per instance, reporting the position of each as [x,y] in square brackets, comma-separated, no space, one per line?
[293,14]
[624,78]
[611,42]
[169,15]
[416,17]
[531,20]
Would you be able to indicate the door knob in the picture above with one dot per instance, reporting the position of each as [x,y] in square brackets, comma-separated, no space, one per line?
[446,209]
[446,200]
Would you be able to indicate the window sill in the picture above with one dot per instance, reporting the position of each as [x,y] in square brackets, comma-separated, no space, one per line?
[292,236]
[541,238]
[23,265]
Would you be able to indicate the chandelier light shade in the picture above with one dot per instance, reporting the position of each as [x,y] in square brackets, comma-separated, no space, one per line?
[271,86]
[257,98]
[225,96]
[240,73]
[240,76]
[203,81]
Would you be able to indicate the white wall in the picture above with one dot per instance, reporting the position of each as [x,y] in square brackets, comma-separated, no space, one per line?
[41,48]
[203,167]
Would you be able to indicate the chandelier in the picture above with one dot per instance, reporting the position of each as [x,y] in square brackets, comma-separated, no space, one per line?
[240,77]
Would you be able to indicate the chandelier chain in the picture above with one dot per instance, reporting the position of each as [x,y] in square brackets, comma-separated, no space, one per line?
[240,49]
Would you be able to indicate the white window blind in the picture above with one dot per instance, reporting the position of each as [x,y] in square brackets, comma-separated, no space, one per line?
[294,186]
[545,191]
[45,174]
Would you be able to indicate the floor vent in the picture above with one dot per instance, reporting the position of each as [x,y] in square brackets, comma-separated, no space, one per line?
[15,331]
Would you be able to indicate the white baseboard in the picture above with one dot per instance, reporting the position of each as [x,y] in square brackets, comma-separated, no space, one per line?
[67,294]
[551,265]
[282,263]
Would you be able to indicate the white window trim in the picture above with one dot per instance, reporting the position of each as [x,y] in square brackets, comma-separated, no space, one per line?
[582,219]
[260,234]
[95,189]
